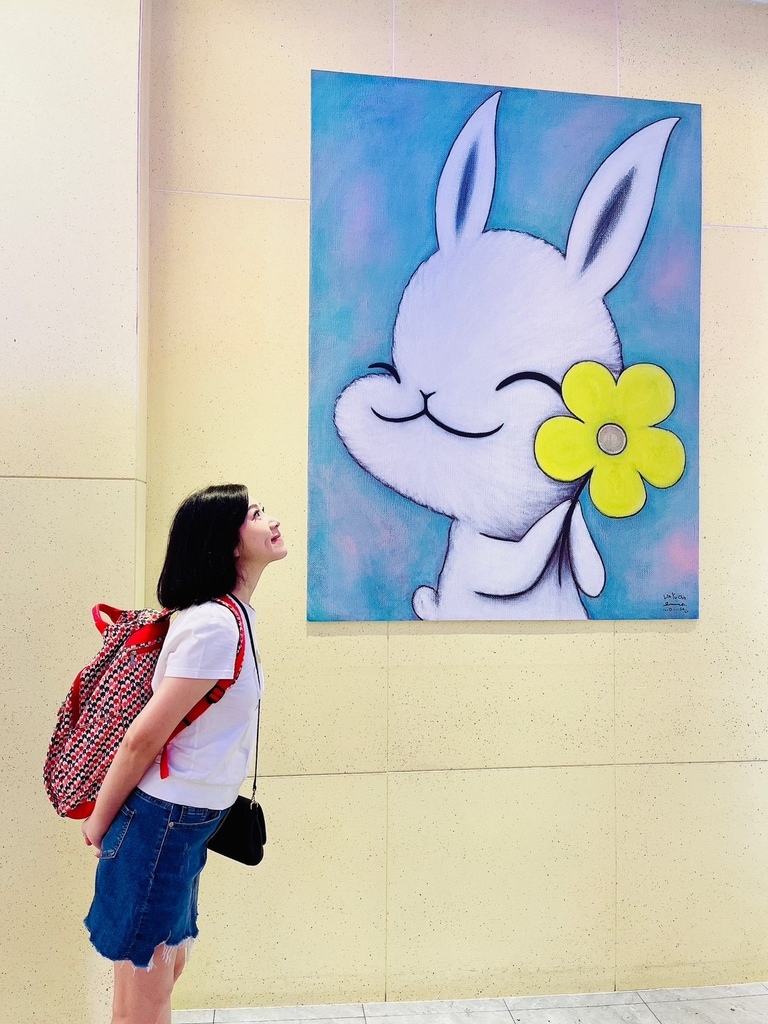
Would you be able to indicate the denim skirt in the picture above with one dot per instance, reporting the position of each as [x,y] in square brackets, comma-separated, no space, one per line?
[147,878]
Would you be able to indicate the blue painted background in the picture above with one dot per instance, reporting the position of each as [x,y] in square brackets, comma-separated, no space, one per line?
[378,147]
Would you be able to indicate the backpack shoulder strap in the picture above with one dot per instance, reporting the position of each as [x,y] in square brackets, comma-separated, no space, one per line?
[98,611]
[227,602]
[217,691]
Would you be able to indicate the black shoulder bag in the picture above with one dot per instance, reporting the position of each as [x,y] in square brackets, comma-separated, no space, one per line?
[243,832]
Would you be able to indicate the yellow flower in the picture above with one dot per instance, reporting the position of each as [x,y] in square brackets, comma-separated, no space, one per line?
[614,437]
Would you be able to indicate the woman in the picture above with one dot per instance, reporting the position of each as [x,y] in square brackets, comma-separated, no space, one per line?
[150,833]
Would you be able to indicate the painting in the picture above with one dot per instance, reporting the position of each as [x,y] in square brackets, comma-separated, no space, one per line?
[504,353]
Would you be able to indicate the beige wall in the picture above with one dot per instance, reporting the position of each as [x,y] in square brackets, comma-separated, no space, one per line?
[455,810]
[72,450]
[471,809]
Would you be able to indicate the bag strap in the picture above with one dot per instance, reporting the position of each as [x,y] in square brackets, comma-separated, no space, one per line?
[257,663]
[151,633]
[98,612]
[218,690]
[149,636]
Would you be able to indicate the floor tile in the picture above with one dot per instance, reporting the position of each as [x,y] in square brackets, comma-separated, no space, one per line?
[329,1013]
[434,1006]
[636,1013]
[449,1017]
[742,1010]
[192,1017]
[668,995]
[244,1015]
[583,999]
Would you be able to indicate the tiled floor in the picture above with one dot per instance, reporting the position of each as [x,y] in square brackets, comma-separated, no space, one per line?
[726,1004]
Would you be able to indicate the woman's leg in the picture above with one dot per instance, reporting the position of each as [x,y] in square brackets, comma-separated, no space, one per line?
[144,997]
[181,959]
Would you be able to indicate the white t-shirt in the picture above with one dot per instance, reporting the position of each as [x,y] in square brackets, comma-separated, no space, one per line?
[209,760]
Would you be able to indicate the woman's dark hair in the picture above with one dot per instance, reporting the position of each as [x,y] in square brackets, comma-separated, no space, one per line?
[200,561]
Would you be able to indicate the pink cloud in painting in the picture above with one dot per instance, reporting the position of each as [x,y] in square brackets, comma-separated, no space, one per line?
[348,546]
[672,280]
[680,552]
[362,220]
[672,565]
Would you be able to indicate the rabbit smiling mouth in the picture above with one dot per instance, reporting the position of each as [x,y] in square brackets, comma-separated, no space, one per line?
[433,419]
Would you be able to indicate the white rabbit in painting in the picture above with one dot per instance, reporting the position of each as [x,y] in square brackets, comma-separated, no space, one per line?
[486,329]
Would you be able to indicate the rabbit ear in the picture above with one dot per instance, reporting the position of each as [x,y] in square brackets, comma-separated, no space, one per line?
[465,190]
[613,213]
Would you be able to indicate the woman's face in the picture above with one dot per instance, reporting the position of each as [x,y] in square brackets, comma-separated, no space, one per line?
[260,539]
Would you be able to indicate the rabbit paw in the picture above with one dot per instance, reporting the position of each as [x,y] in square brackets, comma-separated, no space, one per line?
[424,603]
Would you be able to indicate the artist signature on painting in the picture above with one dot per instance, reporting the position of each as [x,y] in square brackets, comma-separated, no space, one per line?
[675,604]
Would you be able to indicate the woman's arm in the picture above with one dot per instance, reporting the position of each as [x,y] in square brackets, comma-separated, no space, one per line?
[140,746]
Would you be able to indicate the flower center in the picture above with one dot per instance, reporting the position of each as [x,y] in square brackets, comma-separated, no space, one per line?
[611,439]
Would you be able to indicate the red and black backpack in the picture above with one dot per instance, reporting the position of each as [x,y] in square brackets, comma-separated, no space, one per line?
[105,698]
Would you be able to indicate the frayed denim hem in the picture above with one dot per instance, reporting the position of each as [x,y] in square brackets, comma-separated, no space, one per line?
[165,950]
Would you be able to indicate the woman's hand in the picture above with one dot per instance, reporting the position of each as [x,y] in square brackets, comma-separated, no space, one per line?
[93,835]
[141,744]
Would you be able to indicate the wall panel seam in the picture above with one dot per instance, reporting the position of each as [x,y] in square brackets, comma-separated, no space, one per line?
[618,48]
[94,479]
[615,807]
[228,195]
[513,768]
[394,7]
[386,810]
[736,227]
[615,878]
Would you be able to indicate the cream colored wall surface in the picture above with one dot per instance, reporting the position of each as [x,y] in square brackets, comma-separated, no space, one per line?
[230,87]
[500,881]
[69,236]
[71,497]
[565,46]
[532,694]
[65,544]
[320,894]
[491,809]
[711,52]
[691,845]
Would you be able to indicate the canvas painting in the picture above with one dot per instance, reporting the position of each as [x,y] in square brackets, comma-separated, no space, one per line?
[504,353]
